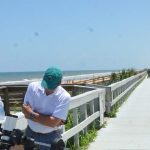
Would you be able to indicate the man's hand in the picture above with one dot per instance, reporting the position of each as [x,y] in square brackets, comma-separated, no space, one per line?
[27,110]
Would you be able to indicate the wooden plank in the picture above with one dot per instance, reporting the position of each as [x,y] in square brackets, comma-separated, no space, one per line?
[83,115]
[2,87]
[75,123]
[6,101]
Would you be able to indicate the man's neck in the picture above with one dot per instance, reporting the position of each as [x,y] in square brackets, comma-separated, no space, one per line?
[48,92]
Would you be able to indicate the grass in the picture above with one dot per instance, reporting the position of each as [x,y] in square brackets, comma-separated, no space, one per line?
[86,139]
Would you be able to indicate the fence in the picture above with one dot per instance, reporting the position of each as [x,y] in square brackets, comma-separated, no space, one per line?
[116,91]
[98,99]
[12,97]
[86,108]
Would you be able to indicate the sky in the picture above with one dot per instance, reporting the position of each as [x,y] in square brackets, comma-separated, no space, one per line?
[74,34]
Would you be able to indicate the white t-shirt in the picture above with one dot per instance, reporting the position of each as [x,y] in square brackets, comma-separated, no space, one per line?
[55,104]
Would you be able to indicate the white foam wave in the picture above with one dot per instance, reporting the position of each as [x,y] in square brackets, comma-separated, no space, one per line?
[24,81]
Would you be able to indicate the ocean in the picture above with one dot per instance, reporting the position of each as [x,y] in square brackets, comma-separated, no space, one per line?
[15,77]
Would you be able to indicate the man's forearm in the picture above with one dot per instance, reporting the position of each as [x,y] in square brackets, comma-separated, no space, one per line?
[47,120]
[40,118]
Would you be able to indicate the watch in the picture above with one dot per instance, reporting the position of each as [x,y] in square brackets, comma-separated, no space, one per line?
[32,115]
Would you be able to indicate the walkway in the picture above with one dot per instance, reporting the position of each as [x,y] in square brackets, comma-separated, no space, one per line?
[130,130]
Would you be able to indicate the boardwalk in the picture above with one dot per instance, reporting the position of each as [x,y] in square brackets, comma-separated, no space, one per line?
[130,130]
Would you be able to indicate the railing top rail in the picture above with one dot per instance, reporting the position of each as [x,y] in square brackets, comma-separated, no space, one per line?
[3,87]
[81,99]
[120,83]
[80,86]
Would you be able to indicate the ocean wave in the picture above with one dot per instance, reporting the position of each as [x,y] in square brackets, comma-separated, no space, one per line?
[24,81]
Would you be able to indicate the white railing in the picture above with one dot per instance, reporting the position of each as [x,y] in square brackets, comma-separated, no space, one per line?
[98,99]
[117,90]
[86,108]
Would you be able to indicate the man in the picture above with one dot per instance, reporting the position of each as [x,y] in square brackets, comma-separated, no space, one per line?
[46,106]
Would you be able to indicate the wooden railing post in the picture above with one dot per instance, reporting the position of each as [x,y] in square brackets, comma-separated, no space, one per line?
[91,105]
[96,108]
[108,99]
[83,115]
[101,107]
[6,101]
[75,122]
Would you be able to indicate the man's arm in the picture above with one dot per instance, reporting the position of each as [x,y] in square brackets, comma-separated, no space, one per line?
[48,120]
[40,118]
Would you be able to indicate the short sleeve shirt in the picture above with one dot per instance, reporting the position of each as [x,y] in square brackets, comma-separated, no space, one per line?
[55,104]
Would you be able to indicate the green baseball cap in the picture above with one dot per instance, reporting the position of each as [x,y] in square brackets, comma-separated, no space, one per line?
[52,78]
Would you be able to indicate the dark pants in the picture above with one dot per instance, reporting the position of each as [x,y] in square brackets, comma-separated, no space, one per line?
[47,138]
